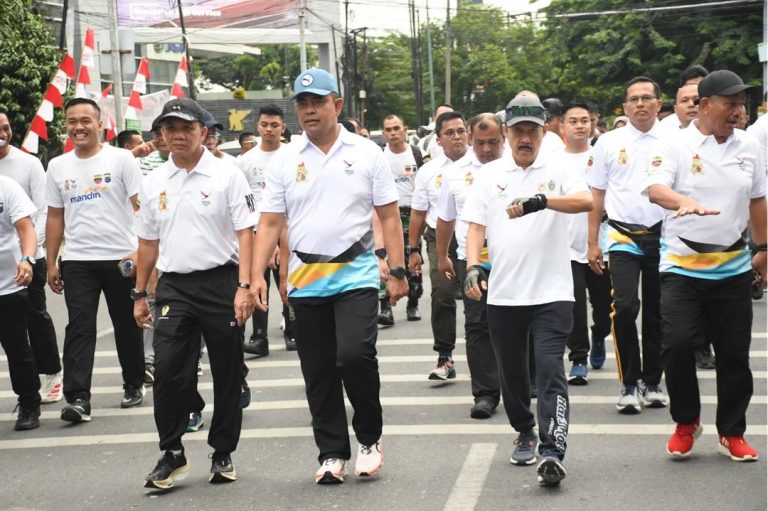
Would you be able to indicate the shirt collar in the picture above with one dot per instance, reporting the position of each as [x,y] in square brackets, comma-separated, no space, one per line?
[205,164]
[636,134]
[344,137]
[700,138]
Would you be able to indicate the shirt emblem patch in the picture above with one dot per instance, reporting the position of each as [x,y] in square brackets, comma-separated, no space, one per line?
[590,161]
[438,181]
[502,191]
[107,177]
[97,179]
[541,187]
[69,184]
[742,166]
[551,185]
[162,202]
[301,173]
[205,201]
[623,159]
[656,161]
[696,167]
[348,170]
[469,179]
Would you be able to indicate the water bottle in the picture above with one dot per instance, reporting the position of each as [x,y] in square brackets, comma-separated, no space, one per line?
[125,267]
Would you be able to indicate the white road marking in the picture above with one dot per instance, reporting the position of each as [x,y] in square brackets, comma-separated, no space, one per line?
[469,485]
[394,430]
[301,404]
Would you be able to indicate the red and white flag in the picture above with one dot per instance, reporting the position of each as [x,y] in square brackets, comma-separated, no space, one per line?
[111,126]
[181,81]
[53,97]
[139,88]
[83,76]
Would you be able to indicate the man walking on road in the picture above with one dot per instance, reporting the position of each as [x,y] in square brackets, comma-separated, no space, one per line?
[196,225]
[711,182]
[327,185]
[92,195]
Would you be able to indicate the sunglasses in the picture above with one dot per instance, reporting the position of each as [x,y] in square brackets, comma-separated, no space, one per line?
[526,111]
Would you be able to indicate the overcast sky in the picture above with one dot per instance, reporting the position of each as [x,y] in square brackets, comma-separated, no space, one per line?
[383,15]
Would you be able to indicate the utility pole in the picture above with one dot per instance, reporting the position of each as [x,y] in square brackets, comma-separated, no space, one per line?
[302,42]
[63,30]
[347,87]
[185,40]
[117,68]
[429,63]
[355,78]
[448,47]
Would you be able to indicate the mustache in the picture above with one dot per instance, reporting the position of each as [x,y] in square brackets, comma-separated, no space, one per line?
[525,146]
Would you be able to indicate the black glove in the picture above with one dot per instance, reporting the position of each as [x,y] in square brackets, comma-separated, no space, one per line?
[475,275]
[531,204]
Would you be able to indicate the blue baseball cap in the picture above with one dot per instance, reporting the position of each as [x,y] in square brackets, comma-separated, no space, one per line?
[315,81]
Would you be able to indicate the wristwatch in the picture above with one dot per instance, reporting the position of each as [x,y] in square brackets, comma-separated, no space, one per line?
[398,273]
[243,285]
[136,294]
[381,253]
[412,250]
[29,259]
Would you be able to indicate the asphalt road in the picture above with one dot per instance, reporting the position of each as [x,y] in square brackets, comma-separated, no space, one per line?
[436,457]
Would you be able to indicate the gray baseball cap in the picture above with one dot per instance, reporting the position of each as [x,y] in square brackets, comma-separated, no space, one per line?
[525,109]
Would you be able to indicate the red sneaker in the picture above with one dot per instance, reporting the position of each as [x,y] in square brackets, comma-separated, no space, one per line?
[736,448]
[681,442]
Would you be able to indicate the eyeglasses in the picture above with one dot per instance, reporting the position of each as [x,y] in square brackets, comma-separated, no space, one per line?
[452,133]
[526,111]
[638,99]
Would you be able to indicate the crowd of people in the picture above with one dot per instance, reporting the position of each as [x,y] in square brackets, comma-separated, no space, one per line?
[524,214]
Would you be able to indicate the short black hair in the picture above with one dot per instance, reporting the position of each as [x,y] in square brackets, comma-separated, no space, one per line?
[272,110]
[244,135]
[124,136]
[592,107]
[393,116]
[81,101]
[483,121]
[447,105]
[575,104]
[3,111]
[667,107]
[643,79]
[447,116]
[349,126]
[694,71]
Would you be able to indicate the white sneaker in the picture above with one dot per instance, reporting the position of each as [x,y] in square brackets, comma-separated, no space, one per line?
[653,396]
[629,402]
[282,324]
[369,459]
[51,389]
[331,471]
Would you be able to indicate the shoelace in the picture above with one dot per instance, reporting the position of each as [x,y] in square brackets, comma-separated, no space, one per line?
[330,461]
[365,449]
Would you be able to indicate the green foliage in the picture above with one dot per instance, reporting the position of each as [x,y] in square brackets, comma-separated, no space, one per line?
[27,64]
[256,72]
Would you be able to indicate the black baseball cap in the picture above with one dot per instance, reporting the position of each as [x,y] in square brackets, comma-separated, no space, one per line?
[721,83]
[554,107]
[210,121]
[183,108]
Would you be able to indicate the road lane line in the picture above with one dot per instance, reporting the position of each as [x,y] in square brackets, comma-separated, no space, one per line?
[663,430]
[469,485]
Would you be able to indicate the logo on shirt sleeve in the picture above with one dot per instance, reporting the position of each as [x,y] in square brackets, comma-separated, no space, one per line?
[250,202]
[696,167]
[162,201]
[301,173]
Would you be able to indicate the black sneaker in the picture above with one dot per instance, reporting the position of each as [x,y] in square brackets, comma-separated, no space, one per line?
[222,469]
[258,346]
[132,396]
[245,395]
[78,410]
[483,409]
[412,313]
[290,342]
[386,318]
[525,449]
[169,469]
[149,374]
[29,418]
[551,471]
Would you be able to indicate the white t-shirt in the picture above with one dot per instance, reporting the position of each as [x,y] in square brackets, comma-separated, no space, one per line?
[551,143]
[95,194]
[621,157]
[27,170]
[14,205]
[195,215]
[328,200]
[529,254]
[459,180]
[427,185]
[718,176]
[670,122]
[404,169]
[253,164]
[578,224]
[759,130]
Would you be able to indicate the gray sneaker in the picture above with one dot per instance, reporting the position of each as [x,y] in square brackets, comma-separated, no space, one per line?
[629,401]
[525,448]
[653,396]
[551,471]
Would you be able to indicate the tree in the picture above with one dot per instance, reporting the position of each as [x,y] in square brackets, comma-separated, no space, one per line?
[27,64]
